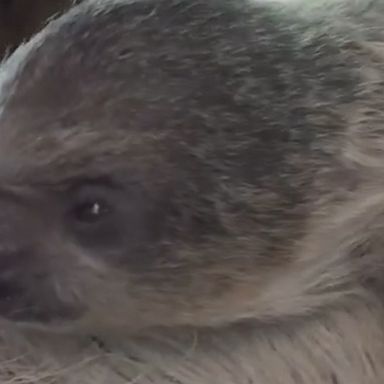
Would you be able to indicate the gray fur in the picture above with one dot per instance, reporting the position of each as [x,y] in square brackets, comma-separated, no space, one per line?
[240,144]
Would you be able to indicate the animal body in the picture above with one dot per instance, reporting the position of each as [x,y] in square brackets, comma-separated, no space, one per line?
[192,192]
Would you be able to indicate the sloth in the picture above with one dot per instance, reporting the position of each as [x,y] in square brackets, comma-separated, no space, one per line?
[195,188]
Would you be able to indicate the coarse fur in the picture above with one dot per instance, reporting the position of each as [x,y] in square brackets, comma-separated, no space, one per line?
[236,147]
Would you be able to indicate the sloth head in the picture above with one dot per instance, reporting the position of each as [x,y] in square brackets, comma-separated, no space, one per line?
[144,177]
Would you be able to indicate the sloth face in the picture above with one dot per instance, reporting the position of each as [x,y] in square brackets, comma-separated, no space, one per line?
[143,180]
[111,251]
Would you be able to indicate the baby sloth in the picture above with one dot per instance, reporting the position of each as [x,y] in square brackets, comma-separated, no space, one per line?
[201,164]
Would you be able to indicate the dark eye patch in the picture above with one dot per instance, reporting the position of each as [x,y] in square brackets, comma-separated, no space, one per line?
[91,205]
[90,211]
[93,210]
[119,223]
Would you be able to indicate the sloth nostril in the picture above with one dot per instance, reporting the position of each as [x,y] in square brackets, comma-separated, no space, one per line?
[14,269]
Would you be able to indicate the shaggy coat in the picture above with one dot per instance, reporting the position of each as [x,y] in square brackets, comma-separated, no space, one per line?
[191,192]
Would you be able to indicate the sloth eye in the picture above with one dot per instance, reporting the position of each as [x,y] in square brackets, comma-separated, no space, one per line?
[91,203]
[91,211]
[95,214]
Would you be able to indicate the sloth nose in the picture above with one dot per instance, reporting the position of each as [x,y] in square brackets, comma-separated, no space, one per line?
[19,225]
[13,272]
[26,291]
[10,298]
[12,264]
[17,232]
[16,248]
[22,286]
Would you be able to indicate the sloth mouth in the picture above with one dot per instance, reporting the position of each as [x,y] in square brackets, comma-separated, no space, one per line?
[35,314]
[59,321]
[30,310]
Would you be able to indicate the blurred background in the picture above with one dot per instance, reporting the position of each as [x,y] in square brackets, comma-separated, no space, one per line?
[19,19]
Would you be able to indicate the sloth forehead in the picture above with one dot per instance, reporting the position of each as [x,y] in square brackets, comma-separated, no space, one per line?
[44,121]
